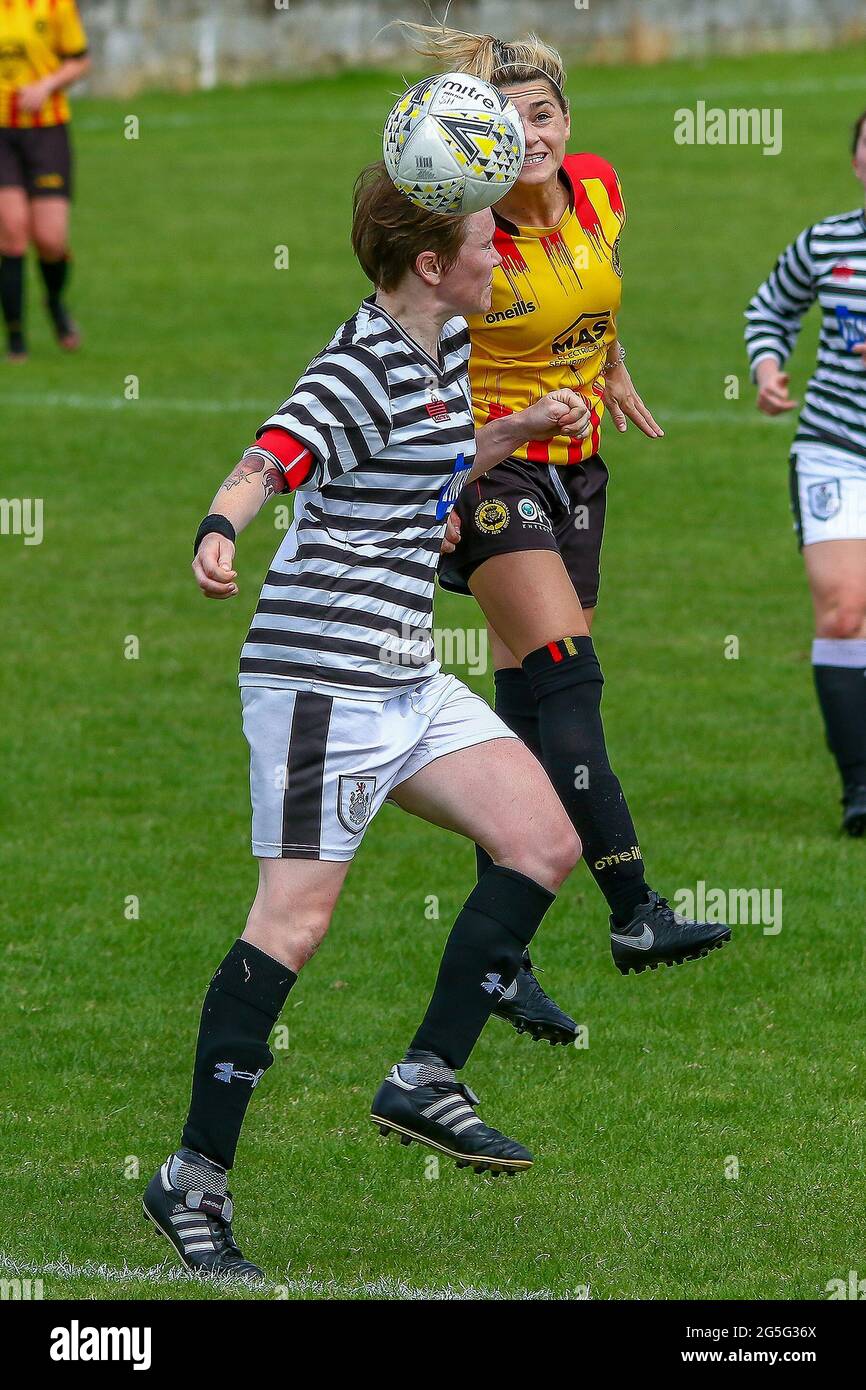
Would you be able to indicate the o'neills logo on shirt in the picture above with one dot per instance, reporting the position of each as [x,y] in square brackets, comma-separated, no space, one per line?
[519,309]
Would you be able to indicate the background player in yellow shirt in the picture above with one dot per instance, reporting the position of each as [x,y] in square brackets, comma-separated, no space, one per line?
[43,49]
[531,530]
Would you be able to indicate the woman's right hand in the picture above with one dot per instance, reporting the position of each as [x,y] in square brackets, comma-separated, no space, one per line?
[212,566]
[560,412]
[33,96]
[772,383]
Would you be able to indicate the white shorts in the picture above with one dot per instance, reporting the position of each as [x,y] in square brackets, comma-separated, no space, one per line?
[828,494]
[322,765]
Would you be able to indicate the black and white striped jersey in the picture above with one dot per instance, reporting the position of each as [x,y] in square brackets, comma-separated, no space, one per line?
[827,263]
[347,603]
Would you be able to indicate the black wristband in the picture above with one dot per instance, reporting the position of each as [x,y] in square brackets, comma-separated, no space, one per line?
[214,522]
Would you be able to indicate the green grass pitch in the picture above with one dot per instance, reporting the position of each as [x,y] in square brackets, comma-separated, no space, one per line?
[127,777]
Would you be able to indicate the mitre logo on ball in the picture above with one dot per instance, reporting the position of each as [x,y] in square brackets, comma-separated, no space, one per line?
[453,144]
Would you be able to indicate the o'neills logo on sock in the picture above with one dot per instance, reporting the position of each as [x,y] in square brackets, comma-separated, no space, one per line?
[625,856]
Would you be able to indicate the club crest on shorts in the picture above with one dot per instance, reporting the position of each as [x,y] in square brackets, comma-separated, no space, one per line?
[354,802]
[491,517]
[825,499]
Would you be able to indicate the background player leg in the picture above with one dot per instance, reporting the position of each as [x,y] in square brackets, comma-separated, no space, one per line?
[51,238]
[530,600]
[529,1008]
[837,578]
[14,231]
[497,794]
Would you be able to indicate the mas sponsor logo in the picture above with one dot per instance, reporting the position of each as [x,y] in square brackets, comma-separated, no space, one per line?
[582,337]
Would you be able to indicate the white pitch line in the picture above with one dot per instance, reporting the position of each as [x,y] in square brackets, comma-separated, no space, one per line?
[710,92]
[671,96]
[739,419]
[63,401]
[166,1273]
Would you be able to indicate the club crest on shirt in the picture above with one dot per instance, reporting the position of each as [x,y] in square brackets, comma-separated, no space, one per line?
[825,499]
[355,801]
[491,517]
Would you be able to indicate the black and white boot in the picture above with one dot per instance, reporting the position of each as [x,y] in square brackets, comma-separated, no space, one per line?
[656,935]
[529,1009]
[428,1104]
[188,1202]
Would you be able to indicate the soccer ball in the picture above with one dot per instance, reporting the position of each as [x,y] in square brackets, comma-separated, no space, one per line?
[453,144]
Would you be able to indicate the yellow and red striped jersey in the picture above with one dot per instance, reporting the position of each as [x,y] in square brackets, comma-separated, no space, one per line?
[35,38]
[556,296]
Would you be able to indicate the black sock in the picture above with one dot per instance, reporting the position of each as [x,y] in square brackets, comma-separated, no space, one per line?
[515,704]
[481,959]
[12,300]
[243,1002]
[566,680]
[517,707]
[840,680]
[54,274]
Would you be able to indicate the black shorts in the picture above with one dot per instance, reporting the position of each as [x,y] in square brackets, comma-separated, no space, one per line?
[39,160]
[523,506]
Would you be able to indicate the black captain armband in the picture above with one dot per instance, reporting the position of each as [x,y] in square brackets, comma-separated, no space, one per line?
[214,522]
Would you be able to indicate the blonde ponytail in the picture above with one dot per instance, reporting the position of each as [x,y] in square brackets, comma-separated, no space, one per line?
[484,56]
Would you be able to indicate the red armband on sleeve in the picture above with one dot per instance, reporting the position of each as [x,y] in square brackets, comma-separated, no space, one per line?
[293,457]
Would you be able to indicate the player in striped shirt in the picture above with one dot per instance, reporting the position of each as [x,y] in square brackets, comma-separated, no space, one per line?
[345,706]
[43,50]
[531,532]
[827,263]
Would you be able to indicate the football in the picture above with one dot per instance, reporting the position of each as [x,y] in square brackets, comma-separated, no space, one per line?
[453,144]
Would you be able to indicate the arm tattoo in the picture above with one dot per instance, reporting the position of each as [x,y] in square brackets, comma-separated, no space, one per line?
[272,479]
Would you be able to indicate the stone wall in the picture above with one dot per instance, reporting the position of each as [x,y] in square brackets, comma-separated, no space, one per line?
[197,43]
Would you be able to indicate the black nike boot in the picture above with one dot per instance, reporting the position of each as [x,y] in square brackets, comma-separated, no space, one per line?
[428,1104]
[526,1006]
[188,1203]
[656,935]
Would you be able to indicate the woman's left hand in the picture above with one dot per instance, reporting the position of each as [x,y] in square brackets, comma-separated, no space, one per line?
[33,97]
[623,402]
[452,534]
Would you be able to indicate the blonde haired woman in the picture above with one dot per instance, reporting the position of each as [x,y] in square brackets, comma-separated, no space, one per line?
[531,530]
